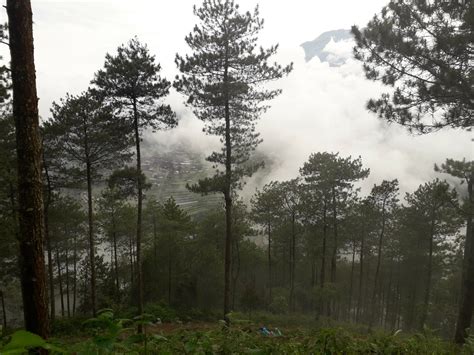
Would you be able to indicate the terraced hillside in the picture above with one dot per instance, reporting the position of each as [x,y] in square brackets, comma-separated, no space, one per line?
[169,169]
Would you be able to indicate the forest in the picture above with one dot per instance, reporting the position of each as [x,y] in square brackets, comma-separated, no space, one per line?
[95,258]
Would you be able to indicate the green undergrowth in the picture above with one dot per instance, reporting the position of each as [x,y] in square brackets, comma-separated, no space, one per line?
[110,334]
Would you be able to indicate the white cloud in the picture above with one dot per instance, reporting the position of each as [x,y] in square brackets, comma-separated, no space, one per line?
[322,108]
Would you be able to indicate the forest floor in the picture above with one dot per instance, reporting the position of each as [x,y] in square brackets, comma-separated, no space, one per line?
[247,337]
[282,335]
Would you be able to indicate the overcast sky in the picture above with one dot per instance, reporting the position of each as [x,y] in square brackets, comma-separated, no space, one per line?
[321,108]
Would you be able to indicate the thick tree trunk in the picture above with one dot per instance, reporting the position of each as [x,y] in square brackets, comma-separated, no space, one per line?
[91,239]
[139,267]
[29,156]
[466,304]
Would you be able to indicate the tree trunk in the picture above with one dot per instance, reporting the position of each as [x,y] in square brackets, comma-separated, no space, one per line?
[4,313]
[29,156]
[429,271]
[352,278]
[466,304]
[323,258]
[169,269]
[132,269]
[377,268]
[235,270]
[91,238]
[139,212]
[155,241]
[292,262]
[47,203]
[325,306]
[74,271]
[361,276]
[68,299]
[334,251]
[228,190]
[117,281]
[269,263]
[61,293]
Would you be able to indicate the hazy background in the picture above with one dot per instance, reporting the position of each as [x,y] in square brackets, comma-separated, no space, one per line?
[322,108]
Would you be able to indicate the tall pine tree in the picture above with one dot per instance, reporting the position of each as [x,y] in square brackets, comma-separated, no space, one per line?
[29,152]
[222,79]
[131,81]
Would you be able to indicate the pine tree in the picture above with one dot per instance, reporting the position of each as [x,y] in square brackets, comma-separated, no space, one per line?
[424,50]
[334,177]
[265,209]
[384,200]
[434,203]
[222,79]
[92,140]
[464,170]
[131,81]
[29,154]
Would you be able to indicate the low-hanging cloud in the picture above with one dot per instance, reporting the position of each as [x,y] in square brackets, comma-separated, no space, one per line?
[322,108]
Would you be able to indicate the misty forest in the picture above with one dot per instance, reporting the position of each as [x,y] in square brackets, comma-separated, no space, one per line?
[119,235]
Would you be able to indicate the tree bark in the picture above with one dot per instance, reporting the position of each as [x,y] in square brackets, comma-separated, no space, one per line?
[29,156]
[466,304]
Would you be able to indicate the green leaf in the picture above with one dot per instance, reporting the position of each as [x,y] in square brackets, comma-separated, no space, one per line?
[23,340]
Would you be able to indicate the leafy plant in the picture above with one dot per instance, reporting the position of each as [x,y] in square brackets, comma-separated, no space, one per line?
[22,341]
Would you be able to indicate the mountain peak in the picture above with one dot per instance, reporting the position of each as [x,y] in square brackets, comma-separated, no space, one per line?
[316,47]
